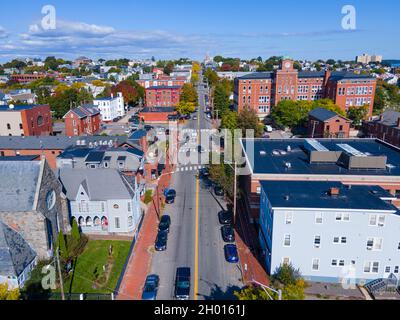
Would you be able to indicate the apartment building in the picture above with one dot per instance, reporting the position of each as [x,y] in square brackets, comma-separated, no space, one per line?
[386,127]
[25,120]
[331,232]
[163,96]
[111,108]
[26,78]
[366,58]
[349,161]
[261,91]
[84,120]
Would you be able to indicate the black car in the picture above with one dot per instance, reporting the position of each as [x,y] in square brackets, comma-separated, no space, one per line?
[161,241]
[182,284]
[225,217]
[148,127]
[151,287]
[219,191]
[187,117]
[165,223]
[169,199]
[228,234]
[204,172]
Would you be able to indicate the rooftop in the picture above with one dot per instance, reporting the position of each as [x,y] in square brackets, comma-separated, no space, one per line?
[316,194]
[292,156]
[322,114]
[18,108]
[335,76]
[163,87]
[158,109]
[389,118]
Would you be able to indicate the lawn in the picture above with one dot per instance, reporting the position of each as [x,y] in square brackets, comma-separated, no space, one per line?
[95,270]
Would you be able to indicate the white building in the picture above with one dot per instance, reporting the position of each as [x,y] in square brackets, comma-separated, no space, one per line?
[366,58]
[111,108]
[331,232]
[103,201]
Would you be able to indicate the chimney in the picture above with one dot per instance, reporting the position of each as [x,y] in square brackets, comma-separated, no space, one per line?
[334,192]
[398,122]
[328,74]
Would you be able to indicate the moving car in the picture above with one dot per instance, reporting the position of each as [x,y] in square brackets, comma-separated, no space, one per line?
[219,191]
[165,223]
[151,287]
[182,284]
[228,234]
[161,241]
[225,217]
[231,253]
[194,117]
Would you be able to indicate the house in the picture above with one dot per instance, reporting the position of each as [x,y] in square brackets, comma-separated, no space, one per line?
[128,160]
[25,120]
[31,204]
[103,201]
[323,123]
[84,120]
[17,258]
[330,231]
[386,127]
[350,161]
[111,108]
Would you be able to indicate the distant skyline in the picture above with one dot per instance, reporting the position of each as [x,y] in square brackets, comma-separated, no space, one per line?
[177,28]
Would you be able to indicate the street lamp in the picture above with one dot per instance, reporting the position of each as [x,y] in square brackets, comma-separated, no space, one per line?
[265,287]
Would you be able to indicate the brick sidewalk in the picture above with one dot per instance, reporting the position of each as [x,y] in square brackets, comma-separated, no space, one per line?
[139,264]
[247,243]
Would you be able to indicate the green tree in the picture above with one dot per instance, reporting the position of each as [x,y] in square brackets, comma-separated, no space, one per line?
[62,246]
[189,94]
[229,120]
[357,114]
[248,119]
[211,76]
[286,274]
[221,99]
[185,108]
[252,293]
[75,233]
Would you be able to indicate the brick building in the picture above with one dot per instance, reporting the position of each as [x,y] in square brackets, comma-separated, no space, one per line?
[163,96]
[26,78]
[261,91]
[157,114]
[168,81]
[386,128]
[84,120]
[25,120]
[323,123]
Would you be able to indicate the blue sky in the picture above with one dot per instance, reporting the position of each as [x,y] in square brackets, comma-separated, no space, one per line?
[171,29]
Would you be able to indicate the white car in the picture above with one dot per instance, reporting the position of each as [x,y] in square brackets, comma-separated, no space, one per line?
[268,128]
[128,130]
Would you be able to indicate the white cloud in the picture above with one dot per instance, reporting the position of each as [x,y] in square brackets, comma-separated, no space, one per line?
[3,33]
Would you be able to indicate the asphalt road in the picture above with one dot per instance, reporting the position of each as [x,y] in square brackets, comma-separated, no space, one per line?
[195,228]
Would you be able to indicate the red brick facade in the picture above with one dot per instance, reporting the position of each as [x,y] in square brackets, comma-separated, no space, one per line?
[163,96]
[387,130]
[26,78]
[156,115]
[336,127]
[81,122]
[263,90]
[37,121]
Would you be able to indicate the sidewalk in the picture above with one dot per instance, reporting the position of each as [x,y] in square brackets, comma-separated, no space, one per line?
[139,264]
[247,243]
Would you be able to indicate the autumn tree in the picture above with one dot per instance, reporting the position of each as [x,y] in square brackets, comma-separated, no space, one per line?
[185,108]
[8,294]
[189,94]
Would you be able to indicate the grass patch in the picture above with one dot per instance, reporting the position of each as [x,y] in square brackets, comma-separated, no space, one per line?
[95,271]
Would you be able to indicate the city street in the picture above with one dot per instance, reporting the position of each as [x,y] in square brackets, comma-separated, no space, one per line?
[195,239]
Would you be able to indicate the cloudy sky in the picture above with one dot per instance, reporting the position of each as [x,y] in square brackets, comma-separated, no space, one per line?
[176,28]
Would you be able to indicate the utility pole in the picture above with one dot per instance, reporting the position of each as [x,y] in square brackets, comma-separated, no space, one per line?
[235,195]
[313,131]
[60,274]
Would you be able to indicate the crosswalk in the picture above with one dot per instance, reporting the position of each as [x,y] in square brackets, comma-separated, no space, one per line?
[189,168]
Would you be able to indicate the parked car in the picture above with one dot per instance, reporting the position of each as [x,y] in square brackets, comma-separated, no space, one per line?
[128,131]
[268,128]
[187,117]
[228,234]
[204,172]
[194,117]
[225,217]
[151,287]
[231,253]
[169,199]
[169,192]
[182,284]
[219,191]
[148,127]
[161,241]
[165,223]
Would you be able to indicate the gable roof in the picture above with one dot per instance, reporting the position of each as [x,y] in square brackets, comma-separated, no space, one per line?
[389,118]
[15,253]
[87,110]
[101,184]
[323,114]
[18,184]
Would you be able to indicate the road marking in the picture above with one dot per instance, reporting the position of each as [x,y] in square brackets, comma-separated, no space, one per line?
[196,249]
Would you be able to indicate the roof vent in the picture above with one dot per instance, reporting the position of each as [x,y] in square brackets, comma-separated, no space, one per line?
[263,153]
[11,106]
[288,165]
[289,149]
[287,197]
[275,153]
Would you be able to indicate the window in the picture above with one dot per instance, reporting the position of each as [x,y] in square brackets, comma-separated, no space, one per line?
[341,263]
[338,217]
[374,244]
[387,269]
[40,120]
[8,126]
[129,207]
[396,269]
[258,190]
[343,239]
[286,242]
[334,263]
[381,221]
[103,209]
[20,126]
[317,241]
[315,264]
[372,220]
[117,225]
[130,221]
[51,199]
[286,260]
[288,218]
[371,267]
[346,217]
[336,240]
[318,218]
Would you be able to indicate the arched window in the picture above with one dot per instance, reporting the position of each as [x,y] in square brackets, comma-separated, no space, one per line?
[89,222]
[81,221]
[96,222]
[104,223]
[130,221]
[40,120]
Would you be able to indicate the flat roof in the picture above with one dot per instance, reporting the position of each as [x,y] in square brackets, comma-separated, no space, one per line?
[163,87]
[158,109]
[271,156]
[18,107]
[316,194]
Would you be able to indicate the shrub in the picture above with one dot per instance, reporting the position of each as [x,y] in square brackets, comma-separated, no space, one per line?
[148,196]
